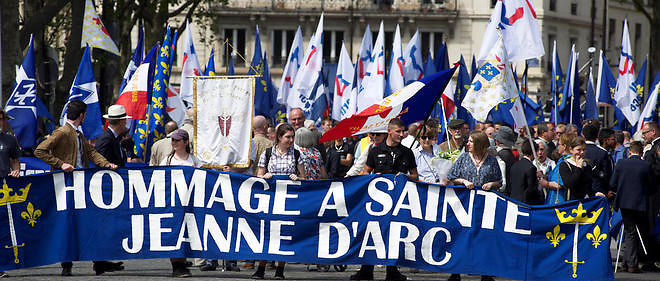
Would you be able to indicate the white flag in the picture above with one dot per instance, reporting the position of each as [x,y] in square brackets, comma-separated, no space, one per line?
[493,84]
[364,58]
[190,66]
[373,84]
[343,85]
[396,73]
[305,83]
[520,30]
[624,95]
[413,69]
[650,113]
[296,55]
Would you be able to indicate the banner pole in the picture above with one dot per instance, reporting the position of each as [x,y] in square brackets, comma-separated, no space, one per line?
[618,251]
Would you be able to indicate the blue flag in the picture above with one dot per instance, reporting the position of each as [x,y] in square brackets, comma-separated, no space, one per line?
[24,104]
[556,84]
[605,88]
[152,129]
[136,59]
[441,59]
[571,92]
[463,82]
[230,66]
[262,100]
[429,67]
[84,89]
[590,105]
[210,65]
[473,71]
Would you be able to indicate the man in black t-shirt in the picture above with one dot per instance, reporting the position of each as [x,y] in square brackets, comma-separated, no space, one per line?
[389,157]
[339,158]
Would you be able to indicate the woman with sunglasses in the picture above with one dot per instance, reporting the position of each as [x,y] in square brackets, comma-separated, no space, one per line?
[428,149]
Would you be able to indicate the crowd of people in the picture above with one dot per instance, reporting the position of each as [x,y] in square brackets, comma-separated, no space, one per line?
[542,164]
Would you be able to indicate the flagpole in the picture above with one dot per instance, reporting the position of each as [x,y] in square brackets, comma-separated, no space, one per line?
[444,117]
[574,63]
[529,133]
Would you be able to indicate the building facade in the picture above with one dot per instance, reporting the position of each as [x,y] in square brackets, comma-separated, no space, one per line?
[459,23]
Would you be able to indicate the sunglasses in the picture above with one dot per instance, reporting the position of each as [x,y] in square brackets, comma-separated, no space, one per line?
[427,137]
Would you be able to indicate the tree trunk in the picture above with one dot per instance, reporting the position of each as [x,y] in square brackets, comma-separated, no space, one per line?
[12,54]
[72,56]
[654,41]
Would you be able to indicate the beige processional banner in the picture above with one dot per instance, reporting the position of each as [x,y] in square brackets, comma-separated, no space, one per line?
[223,106]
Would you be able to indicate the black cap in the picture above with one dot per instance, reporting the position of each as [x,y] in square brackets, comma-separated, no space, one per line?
[456,123]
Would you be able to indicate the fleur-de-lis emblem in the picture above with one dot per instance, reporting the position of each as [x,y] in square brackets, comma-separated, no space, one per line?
[555,236]
[157,102]
[596,237]
[31,214]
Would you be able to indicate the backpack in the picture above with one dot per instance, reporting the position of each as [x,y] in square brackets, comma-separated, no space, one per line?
[269,153]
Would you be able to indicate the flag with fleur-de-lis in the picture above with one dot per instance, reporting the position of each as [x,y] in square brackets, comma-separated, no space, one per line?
[152,128]
[493,84]
[94,32]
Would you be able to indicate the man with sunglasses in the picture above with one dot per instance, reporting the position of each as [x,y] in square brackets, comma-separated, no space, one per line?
[458,136]
[375,137]
[389,157]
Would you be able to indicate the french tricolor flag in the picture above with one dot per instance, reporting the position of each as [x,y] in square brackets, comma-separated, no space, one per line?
[410,104]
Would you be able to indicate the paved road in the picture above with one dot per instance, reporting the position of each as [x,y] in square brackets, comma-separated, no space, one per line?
[159,269]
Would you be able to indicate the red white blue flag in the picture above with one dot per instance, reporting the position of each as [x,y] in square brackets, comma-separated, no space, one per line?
[410,104]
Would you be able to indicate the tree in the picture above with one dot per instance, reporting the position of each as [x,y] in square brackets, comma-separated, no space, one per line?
[50,20]
[653,16]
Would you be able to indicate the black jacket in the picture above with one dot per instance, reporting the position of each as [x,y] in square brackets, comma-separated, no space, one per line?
[577,180]
[602,165]
[524,183]
[509,159]
[108,145]
[634,182]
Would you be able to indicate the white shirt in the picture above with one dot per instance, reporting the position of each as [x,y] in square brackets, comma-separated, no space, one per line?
[79,162]
[408,141]
[425,170]
[545,166]
[190,161]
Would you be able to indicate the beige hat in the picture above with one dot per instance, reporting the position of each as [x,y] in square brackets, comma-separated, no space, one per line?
[116,112]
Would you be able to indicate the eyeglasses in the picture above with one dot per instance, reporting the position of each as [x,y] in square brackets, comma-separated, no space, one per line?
[644,132]
[427,137]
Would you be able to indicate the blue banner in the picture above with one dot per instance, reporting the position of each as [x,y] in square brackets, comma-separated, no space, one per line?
[160,212]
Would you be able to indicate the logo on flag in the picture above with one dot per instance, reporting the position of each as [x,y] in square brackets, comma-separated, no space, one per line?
[493,84]
[224,121]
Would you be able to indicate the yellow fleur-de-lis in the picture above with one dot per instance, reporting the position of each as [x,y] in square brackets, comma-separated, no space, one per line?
[555,236]
[157,102]
[31,214]
[596,237]
[157,135]
[158,119]
[157,85]
[143,133]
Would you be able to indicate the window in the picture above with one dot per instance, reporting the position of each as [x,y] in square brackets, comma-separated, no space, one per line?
[551,40]
[282,40]
[332,45]
[611,31]
[553,5]
[236,38]
[431,41]
[574,8]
